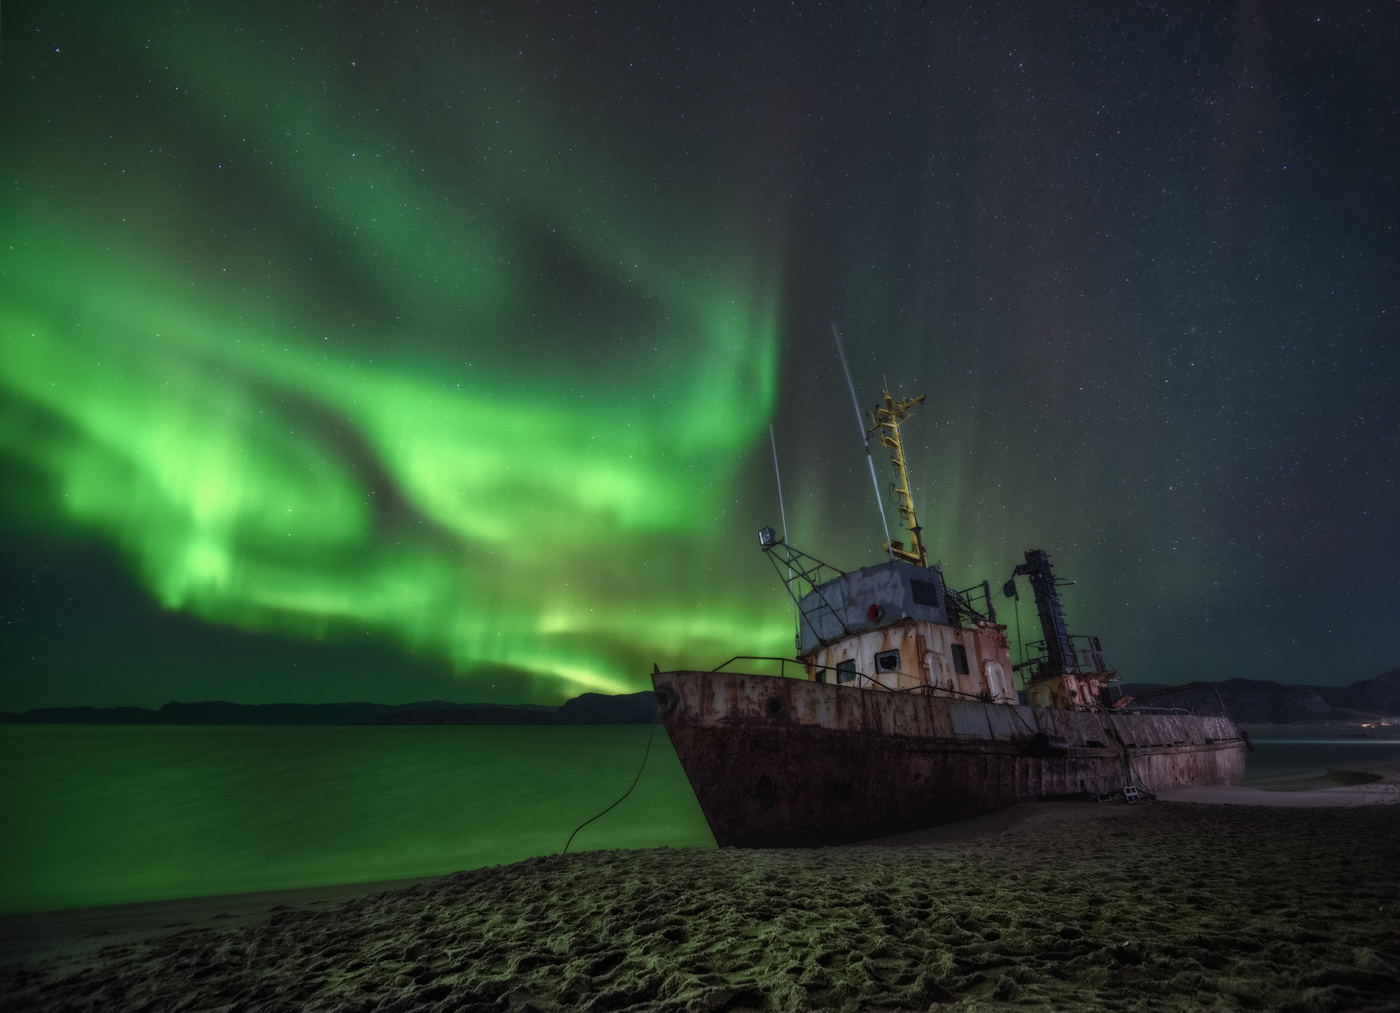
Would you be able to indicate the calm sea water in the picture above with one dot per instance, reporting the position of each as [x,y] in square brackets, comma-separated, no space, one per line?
[104,815]
[1278,761]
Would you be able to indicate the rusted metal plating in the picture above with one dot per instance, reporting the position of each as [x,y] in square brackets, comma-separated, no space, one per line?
[794,763]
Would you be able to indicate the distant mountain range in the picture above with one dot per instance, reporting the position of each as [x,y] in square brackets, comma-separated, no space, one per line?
[588,709]
[1253,702]
[1248,700]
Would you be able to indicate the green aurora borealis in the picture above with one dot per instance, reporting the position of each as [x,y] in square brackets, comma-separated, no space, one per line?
[441,475]
[458,334]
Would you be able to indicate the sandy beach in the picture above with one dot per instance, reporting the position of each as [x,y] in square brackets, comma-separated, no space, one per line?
[1168,905]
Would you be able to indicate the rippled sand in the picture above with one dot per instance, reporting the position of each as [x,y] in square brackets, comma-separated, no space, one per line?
[1156,906]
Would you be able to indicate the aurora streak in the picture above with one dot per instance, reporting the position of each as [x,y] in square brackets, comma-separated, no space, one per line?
[422,462]
[354,353]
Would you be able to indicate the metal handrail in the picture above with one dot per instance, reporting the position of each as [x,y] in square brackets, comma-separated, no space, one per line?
[1039,645]
[1171,690]
[928,689]
[870,680]
[784,662]
[966,597]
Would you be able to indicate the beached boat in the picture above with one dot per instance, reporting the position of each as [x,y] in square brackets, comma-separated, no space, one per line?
[907,714]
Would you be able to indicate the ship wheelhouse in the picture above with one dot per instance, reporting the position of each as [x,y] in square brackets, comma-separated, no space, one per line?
[895,626]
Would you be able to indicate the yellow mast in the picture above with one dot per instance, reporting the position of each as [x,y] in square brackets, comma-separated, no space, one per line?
[885,419]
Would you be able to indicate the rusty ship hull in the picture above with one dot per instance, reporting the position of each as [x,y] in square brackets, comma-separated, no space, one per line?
[779,762]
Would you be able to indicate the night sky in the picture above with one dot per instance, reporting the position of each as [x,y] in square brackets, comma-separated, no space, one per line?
[431,351]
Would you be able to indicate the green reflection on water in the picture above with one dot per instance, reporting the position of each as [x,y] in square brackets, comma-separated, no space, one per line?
[106,815]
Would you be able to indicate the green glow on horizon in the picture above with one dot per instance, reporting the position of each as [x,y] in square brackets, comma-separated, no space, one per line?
[262,466]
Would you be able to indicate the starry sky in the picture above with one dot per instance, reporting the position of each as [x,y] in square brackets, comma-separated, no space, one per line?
[431,351]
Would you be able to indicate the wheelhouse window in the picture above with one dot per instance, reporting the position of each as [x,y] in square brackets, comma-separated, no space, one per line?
[924,593]
[960,659]
[887,661]
[846,670]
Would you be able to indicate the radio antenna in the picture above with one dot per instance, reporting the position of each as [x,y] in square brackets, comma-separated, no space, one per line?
[864,438]
[782,512]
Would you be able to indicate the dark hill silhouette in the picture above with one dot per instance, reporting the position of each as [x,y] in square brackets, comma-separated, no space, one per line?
[1247,700]
[1252,701]
[588,709]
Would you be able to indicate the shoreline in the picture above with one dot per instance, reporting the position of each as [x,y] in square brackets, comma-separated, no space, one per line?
[1287,870]
[72,936]
[1074,906]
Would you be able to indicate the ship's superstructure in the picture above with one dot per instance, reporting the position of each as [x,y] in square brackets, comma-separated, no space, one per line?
[897,626]
[1070,671]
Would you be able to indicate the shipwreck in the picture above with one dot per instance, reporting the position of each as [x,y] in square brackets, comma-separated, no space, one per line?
[900,709]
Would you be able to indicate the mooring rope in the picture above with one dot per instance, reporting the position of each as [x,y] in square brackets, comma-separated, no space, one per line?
[610,808]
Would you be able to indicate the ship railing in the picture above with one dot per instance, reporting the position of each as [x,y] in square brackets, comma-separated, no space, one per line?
[782,663]
[966,601]
[926,689]
[1190,693]
[1034,654]
[862,680]
[1088,655]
